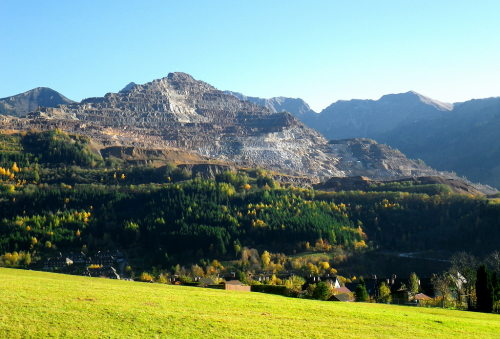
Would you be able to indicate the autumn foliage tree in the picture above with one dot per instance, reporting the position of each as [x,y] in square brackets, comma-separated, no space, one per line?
[384,293]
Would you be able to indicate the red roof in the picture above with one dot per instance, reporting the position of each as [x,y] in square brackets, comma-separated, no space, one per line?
[422,296]
[343,290]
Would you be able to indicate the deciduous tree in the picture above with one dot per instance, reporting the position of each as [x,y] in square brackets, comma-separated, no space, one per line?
[441,284]
[413,283]
[384,293]
[464,271]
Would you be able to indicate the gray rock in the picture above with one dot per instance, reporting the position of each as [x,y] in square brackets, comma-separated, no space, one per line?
[179,112]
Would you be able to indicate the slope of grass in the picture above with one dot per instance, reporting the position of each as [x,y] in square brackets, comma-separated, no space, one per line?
[46,305]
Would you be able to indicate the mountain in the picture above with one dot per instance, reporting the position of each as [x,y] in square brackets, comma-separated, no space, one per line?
[369,118]
[466,141]
[19,105]
[179,112]
[296,106]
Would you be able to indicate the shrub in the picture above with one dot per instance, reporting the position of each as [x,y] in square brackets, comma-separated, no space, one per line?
[272,289]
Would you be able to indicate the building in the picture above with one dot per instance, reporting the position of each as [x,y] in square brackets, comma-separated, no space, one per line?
[101,272]
[54,263]
[344,297]
[236,285]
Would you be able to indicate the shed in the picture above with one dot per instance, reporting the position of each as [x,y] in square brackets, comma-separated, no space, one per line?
[236,285]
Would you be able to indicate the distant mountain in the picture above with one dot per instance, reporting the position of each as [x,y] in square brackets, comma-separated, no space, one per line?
[461,137]
[297,107]
[467,140]
[370,118]
[21,104]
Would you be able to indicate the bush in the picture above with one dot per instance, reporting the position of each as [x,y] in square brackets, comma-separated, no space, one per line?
[271,289]
[321,292]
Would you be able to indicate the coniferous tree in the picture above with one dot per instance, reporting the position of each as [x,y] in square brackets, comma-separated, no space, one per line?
[484,290]
[496,291]
[321,292]
[360,292]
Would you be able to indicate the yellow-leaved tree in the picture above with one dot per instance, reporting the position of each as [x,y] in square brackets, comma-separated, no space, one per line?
[266,259]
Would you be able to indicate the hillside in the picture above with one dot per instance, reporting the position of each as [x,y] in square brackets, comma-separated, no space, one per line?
[183,114]
[66,306]
[460,137]
[21,104]
[58,194]
[466,142]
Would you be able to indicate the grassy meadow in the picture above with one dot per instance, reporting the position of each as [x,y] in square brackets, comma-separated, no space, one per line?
[49,305]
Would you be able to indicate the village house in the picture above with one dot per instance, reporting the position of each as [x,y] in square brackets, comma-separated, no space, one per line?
[344,297]
[339,290]
[104,261]
[76,257]
[422,298]
[101,272]
[399,288]
[54,263]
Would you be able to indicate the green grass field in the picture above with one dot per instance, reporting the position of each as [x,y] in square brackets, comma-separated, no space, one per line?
[48,305]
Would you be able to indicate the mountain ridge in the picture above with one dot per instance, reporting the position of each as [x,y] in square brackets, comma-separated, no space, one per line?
[180,112]
[368,118]
[23,103]
[296,106]
[457,137]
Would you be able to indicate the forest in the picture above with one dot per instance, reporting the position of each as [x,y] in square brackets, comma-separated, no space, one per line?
[57,194]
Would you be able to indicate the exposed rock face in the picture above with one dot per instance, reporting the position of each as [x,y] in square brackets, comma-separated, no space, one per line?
[297,107]
[460,137]
[370,118]
[364,157]
[19,105]
[180,113]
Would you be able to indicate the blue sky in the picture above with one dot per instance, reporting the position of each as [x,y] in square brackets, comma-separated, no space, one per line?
[320,51]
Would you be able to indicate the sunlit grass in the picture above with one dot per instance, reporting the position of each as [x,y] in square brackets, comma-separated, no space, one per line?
[40,305]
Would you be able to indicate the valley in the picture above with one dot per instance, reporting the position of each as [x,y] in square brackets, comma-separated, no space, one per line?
[182,177]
